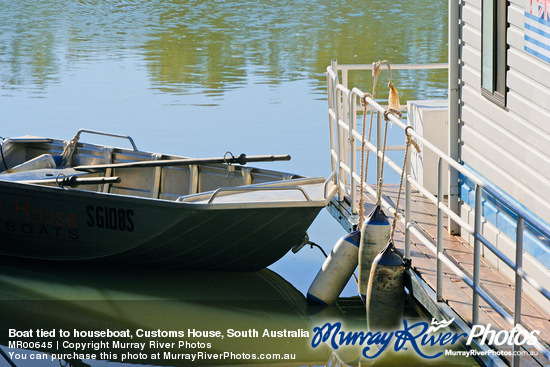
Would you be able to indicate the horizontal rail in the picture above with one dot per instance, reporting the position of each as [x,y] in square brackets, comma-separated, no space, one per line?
[460,168]
[487,298]
[428,242]
[343,109]
[535,222]
[511,264]
[416,185]
[394,67]
[260,188]
[389,148]
[471,175]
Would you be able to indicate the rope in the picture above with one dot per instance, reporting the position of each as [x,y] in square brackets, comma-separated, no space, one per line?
[365,165]
[381,181]
[363,174]
[407,148]
[68,151]
[393,107]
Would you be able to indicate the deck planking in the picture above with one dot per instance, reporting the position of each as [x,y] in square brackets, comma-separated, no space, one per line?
[456,293]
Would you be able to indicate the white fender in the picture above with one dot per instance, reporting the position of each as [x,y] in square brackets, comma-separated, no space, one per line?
[375,234]
[336,270]
[385,291]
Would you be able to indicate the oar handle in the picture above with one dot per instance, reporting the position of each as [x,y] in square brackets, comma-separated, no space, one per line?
[243,159]
[75,181]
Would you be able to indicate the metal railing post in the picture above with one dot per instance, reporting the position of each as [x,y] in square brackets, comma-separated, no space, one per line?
[477,255]
[407,206]
[345,137]
[345,77]
[340,151]
[345,116]
[379,145]
[353,143]
[518,282]
[439,273]
[331,83]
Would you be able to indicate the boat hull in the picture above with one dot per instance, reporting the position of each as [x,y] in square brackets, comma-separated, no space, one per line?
[50,223]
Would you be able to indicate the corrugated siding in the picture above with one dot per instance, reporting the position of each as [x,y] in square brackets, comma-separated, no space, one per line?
[510,147]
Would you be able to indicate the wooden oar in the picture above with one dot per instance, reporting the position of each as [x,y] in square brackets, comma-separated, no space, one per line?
[242,159]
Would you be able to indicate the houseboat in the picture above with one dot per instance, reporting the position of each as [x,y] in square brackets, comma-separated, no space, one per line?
[480,176]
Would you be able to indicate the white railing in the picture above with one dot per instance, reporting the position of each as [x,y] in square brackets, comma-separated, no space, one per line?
[343,111]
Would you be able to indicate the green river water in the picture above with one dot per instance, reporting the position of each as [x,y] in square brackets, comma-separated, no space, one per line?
[196,78]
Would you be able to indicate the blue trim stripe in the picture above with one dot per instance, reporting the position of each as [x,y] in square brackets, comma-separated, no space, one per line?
[377,217]
[535,25]
[538,43]
[354,238]
[390,257]
[537,54]
[505,220]
[537,19]
[537,30]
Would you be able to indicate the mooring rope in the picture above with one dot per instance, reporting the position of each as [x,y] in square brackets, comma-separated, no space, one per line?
[409,141]
[381,179]
[393,107]
[68,151]
[365,165]
[364,175]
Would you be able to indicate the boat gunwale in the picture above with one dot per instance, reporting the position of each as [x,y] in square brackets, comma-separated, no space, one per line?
[183,201]
[183,204]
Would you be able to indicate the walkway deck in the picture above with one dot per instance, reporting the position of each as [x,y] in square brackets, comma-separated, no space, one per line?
[457,294]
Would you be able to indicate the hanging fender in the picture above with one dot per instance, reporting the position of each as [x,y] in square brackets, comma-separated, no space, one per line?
[375,234]
[385,290]
[336,270]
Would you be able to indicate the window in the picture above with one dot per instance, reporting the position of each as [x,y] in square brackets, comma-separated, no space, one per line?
[493,50]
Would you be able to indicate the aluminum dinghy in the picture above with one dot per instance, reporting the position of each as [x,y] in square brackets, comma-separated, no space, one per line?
[194,216]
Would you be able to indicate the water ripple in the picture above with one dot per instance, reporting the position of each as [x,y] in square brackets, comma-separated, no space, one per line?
[213,45]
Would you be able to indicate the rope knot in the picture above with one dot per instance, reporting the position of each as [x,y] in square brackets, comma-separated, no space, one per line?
[392,111]
[364,99]
[411,140]
[376,68]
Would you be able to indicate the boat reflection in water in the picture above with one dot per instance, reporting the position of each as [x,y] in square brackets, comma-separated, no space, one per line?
[146,304]
[86,298]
